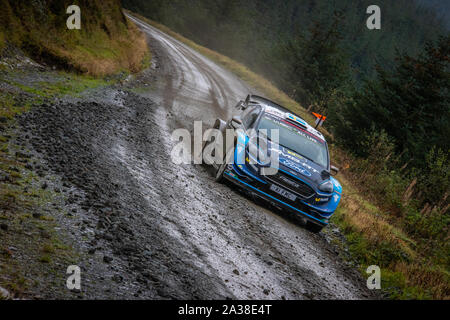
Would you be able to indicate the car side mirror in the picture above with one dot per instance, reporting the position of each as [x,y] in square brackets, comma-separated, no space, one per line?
[247,100]
[334,170]
[240,105]
[236,121]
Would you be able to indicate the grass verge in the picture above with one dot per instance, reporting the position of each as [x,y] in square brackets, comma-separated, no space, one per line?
[30,247]
[31,250]
[106,43]
[20,96]
[375,236]
[101,54]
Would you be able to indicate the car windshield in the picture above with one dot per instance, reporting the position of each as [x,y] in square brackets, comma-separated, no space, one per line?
[296,140]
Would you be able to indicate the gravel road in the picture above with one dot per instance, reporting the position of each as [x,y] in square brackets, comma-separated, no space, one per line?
[158,230]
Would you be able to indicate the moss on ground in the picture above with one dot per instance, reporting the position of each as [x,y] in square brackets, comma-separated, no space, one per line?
[30,247]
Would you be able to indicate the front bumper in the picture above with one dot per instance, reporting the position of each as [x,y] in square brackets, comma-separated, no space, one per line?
[239,175]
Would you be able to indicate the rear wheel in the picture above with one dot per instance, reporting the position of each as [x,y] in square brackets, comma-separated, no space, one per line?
[205,144]
[313,227]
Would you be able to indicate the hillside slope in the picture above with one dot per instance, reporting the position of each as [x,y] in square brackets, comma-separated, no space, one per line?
[106,43]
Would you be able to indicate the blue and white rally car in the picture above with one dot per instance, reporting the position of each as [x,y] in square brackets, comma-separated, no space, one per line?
[303,183]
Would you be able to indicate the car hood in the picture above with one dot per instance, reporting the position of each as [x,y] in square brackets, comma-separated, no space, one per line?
[299,166]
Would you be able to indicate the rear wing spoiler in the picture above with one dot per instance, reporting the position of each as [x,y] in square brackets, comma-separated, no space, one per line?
[252,98]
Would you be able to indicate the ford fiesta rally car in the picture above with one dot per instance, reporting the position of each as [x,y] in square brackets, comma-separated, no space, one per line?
[303,183]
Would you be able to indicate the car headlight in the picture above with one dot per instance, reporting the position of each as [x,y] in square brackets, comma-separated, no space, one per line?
[326,186]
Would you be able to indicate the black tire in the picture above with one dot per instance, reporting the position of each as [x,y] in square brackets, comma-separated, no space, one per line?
[315,228]
[221,169]
[219,172]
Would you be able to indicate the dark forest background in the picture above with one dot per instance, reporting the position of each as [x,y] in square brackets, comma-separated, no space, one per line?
[255,32]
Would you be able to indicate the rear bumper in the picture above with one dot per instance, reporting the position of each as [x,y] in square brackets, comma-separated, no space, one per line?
[258,187]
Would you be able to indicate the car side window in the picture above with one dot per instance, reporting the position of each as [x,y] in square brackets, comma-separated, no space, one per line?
[246,112]
[249,118]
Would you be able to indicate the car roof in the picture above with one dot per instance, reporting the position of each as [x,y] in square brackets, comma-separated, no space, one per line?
[280,111]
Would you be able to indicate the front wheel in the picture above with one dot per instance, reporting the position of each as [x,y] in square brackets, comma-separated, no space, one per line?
[219,172]
[223,165]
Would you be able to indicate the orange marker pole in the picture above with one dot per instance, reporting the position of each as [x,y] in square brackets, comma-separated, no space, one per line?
[320,119]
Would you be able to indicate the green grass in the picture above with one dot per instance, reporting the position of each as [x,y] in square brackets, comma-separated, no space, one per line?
[72,85]
[383,254]
[20,193]
[99,53]
[106,44]
[396,284]
[24,96]
[48,248]
[408,270]
[147,61]
[40,246]
[45,259]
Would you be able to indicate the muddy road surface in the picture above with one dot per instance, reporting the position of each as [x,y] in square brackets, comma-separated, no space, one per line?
[152,229]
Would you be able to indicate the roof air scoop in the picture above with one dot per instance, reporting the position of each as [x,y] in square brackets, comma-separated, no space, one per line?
[296,120]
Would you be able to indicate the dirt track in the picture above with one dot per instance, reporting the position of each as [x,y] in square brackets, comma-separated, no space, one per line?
[170,231]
